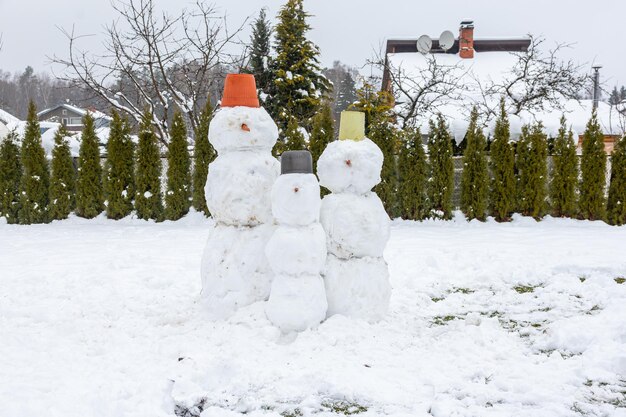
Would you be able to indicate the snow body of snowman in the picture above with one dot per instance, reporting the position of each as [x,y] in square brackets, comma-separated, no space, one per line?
[297,249]
[356,276]
[235,271]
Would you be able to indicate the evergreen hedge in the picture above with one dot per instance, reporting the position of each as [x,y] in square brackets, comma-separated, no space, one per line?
[592,203]
[178,196]
[62,178]
[119,178]
[89,190]
[10,176]
[475,175]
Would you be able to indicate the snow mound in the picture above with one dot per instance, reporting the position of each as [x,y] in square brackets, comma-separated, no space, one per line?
[238,187]
[350,166]
[242,128]
[235,271]
[355,225]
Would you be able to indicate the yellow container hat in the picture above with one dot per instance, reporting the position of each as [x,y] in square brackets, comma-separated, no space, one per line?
[352,125]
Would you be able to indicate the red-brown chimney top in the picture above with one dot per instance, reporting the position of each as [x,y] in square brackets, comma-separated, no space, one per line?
[466,39]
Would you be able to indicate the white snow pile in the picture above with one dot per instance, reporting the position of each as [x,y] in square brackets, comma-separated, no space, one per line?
[101,318]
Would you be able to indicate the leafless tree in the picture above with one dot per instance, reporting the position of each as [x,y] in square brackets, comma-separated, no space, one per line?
[157,61]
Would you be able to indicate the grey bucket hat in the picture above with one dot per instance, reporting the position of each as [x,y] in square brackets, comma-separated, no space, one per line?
[296,162]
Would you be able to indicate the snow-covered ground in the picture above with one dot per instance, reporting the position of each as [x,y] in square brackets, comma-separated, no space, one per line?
[99,318]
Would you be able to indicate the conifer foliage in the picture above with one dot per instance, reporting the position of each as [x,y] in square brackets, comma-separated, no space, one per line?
[502,190]
[203,155]
[532,170]
[148,202]
[10,175]
[119,179]
[475,177]
[564,173]
[178,196]
[413,176]
[441,185]
[298,86]
[62,177]
[592,203]
[35,181]
[322,133]
[260,53]
[294,139]
[616,206]
[89,189]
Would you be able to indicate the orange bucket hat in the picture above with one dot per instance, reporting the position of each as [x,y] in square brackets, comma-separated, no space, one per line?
[240,90]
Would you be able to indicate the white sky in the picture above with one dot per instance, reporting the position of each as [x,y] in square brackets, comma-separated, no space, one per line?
[347,30]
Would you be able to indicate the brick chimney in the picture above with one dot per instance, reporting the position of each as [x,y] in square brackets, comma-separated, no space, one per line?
[466,39]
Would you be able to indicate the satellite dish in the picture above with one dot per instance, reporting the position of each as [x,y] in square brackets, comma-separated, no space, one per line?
[446,40]
[424,43]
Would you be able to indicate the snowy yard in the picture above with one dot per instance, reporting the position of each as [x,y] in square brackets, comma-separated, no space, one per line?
[99,318]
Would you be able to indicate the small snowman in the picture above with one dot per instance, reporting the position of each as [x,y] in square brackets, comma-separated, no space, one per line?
[235,271]
[297,249]
[356,224]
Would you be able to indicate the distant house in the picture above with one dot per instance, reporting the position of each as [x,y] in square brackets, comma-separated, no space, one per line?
[474,63]
[7,123]
[72,117]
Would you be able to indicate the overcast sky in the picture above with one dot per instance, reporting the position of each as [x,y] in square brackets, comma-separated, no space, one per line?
[345,30]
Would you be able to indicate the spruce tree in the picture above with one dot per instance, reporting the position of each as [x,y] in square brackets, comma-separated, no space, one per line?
[322,133]
[502,191]
[593,172]
[203,155]
[532,171]
[89,190]
[35,181]
[441,184]
[616,205]
[10,175]
[260,53]
[62,177]
[294,139]
[298,86]
[475,177]
[148,172]
[178,196]
[119,178]
[564,173]
[413,176]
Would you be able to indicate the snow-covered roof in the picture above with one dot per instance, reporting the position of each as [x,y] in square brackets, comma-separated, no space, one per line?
[6,117]
[95,113]
[493,67]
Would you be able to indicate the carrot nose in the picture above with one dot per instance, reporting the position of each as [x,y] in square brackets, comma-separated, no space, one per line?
[245,127]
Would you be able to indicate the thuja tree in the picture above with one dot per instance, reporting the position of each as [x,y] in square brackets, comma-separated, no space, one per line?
[10,175]
[62,177]
[616,205]
[89,189]
[441,184]
[322,133]
[475,177]
[593,172]
[502,163]
[413,176]
[294,138]
[119,178]
[203,155]
[532,170]
[178,195]
[148,173]
[35,181]
[564,173]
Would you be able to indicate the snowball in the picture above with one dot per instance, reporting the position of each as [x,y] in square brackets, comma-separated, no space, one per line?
[296,199]
[355,225]
[297,250]
[238,187]
[242,128]
[297,303]
[350,166]
[357,288]
[235,271]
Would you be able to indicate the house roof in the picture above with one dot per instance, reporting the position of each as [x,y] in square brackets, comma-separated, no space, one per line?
[96,114]
[7,118]
[484,44]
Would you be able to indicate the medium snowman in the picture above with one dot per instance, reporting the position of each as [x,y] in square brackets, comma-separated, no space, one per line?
[356,276]
[235,271]
[297,249]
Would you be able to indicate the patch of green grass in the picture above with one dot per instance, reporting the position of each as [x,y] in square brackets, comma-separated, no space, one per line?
[292,413]
[347,408]
[620,280]
[437,299]
[463,290]
[523,289]
[442,320]
[582,278]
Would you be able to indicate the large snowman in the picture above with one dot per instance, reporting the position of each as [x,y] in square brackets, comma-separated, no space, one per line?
[356,224]
[297,249]
[235,271]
